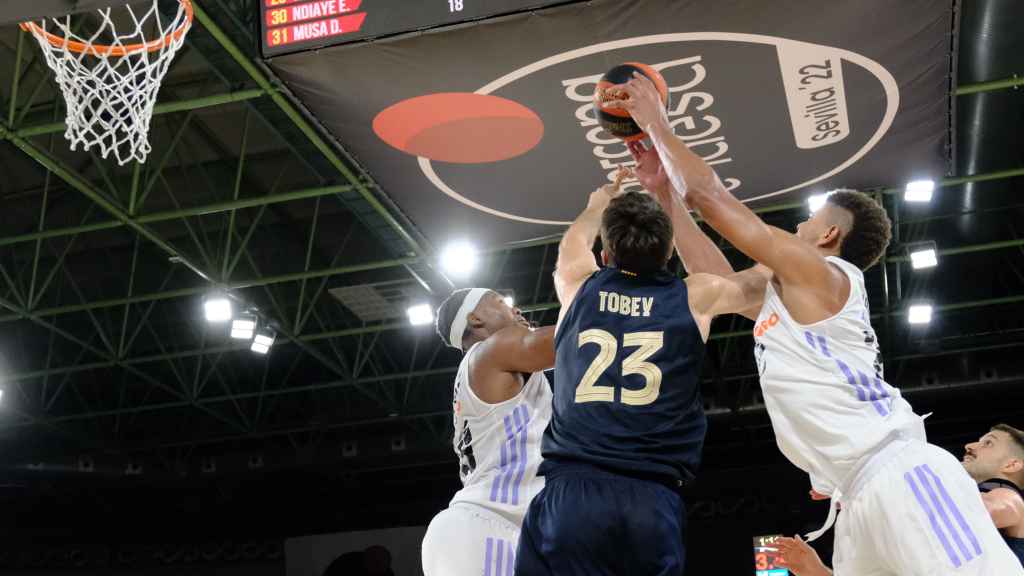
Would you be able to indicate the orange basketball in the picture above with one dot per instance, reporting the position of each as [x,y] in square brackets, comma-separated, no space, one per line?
[616,121]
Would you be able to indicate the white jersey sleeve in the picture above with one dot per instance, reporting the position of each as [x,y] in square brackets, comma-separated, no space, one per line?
[498,445]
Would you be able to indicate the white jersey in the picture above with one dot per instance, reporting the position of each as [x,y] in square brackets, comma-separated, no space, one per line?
[498,445]
[824,389]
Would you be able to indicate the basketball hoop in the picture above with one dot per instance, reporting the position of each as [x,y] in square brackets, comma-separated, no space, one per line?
[110,80]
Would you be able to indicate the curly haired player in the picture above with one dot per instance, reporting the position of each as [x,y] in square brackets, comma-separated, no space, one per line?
[909,508]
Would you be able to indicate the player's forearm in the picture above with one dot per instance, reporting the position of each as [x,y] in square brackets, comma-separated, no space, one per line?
[698,252]
[538,350]
[689,174]
[578,241]
[699,184]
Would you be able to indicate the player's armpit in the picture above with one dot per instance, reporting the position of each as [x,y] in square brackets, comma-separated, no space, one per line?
[1005,507]
[518,349]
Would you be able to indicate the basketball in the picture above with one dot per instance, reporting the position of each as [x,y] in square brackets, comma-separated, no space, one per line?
[616,121]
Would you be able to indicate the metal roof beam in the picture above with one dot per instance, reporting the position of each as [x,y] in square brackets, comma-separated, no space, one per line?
[365,267]
[391,326]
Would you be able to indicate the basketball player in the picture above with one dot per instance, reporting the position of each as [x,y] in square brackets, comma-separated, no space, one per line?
[628,423]
[909,508]
[995,462]
[502,403]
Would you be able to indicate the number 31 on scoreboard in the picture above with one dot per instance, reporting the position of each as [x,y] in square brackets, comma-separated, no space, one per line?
[278,37]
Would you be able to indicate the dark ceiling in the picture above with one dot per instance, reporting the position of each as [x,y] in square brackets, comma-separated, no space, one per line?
[115,387]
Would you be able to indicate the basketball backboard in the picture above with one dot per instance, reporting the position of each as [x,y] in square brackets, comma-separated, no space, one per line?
[14,11]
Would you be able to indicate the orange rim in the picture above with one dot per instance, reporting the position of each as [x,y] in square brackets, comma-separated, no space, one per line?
[105,50]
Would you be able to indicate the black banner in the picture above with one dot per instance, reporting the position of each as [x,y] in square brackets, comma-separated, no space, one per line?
[25,10]
[487,131]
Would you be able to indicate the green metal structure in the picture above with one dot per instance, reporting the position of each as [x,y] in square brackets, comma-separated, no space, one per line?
[209,212]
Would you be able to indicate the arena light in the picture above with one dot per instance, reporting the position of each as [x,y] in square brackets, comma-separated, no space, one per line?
[816,201]
[263,341]
[919,314]
[459,259]
[217,308]
[919,191]
[420,314]
[243,327]
[924,256]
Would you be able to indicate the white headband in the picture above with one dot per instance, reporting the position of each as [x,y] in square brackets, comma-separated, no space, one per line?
[462,316]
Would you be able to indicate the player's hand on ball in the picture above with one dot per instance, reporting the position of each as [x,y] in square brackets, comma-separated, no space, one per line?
[800,558]
[640,98]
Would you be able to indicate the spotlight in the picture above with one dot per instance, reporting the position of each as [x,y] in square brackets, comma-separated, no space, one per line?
[920,314]
[919,191]
[816,201]
[263,341]
[217,308]
[420,314]
[924,256]
[243,327]
[459,259]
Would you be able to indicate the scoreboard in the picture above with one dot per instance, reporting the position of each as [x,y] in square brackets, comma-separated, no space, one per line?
[766,557]
[297,25]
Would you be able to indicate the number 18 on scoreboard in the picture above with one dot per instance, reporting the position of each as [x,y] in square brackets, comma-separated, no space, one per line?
[766,555]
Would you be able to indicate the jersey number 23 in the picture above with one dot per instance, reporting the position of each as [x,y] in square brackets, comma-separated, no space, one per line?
[647,344]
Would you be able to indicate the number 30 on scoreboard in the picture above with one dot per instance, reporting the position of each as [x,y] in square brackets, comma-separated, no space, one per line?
[277,17]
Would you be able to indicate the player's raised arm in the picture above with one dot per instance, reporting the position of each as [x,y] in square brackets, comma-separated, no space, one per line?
[691,177]
[698,252]
[576,260]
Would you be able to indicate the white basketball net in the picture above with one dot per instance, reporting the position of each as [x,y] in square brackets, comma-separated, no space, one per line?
[109,79]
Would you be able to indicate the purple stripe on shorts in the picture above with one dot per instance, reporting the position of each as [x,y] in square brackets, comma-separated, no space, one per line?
[504,462]
[523,433]
[507,471]
[850,378]
[942,514]
[487,561]
[511,567]
[874,397]
[931,518]
[501,553]
[824,347]
[954,509]
[881,388]
[810,340]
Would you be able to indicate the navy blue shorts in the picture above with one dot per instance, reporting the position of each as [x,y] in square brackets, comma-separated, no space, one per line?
[591,522]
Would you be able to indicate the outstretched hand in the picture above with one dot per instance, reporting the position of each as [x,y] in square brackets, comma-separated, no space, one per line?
[649,170]
[800,558]
[638,96]
[600,198]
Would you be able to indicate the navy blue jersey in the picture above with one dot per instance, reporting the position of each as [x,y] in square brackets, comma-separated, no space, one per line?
[627,379]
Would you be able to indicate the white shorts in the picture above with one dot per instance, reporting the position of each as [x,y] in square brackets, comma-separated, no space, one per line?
[466,540]
[919,514]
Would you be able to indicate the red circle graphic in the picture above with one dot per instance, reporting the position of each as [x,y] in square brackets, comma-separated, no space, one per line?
[460,127]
